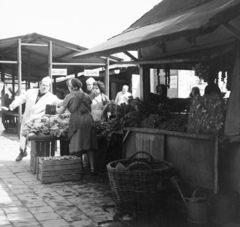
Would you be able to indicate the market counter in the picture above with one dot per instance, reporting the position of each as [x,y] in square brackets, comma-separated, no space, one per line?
[194,156]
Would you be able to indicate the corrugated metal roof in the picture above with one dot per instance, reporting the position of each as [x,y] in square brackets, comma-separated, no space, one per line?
[201,18]
[62,51]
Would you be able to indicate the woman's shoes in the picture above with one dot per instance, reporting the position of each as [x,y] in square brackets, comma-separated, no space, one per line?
[93,172]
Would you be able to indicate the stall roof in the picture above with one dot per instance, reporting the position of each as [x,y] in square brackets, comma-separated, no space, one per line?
[199,18]
[38,56]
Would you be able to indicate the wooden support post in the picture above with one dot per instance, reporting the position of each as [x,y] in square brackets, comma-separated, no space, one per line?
[76,75]
[107,77]
[141,81]
[29,70]
[216,166]
[19,85]
[13,82]
[54,85]
[3,80]
[50,61]
[144,82]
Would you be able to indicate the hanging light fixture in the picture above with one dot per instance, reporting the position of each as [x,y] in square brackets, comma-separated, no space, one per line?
[1,85]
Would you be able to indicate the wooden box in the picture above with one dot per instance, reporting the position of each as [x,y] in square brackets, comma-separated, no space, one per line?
[41,146]
[59,169]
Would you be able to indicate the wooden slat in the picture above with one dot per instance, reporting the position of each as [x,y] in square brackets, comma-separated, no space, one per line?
[59,167]
[61,172]
[59,162]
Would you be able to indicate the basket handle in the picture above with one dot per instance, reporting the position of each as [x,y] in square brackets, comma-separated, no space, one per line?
[142,152]
[139,164]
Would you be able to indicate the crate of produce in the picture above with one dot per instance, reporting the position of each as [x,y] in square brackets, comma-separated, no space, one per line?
[139,185]
[59,169]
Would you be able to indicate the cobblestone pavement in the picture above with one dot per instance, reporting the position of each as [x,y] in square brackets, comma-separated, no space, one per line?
[25,201]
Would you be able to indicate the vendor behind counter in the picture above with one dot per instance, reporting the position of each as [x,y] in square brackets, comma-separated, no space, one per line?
[175,104]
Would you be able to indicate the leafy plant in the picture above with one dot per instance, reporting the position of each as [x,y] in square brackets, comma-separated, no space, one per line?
[206,115]
[202,71]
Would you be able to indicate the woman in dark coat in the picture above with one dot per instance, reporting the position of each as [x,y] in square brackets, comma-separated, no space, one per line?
[81,133]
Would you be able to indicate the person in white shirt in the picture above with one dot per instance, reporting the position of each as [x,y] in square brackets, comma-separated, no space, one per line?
[123,96]
[36,101]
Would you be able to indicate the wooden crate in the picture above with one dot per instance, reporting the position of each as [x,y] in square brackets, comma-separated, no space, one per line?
[41,146]
[59,169]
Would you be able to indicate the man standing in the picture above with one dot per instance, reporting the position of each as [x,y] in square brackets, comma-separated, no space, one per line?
[123,96]
[36,101]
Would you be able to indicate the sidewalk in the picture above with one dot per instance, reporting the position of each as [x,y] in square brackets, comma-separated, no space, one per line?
[24,201]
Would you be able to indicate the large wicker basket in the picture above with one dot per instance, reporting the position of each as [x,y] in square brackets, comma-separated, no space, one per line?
[139,184]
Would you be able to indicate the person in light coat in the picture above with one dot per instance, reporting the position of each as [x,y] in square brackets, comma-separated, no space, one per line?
[36,101]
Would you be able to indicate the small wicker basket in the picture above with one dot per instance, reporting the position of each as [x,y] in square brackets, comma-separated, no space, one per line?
[139,184]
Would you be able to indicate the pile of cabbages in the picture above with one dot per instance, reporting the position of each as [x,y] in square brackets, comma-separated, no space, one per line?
[55,125]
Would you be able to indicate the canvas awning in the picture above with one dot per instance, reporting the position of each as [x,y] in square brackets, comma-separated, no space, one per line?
[35,59]
[195,21]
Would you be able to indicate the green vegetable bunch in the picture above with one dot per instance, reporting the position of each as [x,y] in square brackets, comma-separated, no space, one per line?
[206,115]
[56,125]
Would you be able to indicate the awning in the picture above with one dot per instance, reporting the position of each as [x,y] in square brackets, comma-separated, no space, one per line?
[192,22]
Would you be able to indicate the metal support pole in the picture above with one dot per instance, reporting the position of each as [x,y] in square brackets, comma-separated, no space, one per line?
[50,62]
[107,77]
[19,85]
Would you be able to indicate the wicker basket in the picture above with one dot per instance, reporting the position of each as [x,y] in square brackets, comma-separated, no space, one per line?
[139,185]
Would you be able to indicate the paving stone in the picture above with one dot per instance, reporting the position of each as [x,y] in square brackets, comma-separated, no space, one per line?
[96,211]
[25,191]
[101,218]
[10,210]
[4,220]
[84,223]
[25,223]
[38,203]
[13,181]
[20,216]
[74,216]
[47,216]
[29,198]
[33,183]
[47,194]
[37,210]
[66,210]
[7,176]
[55,204]
[55,223]
[10,203]
[18,187]
[55,198]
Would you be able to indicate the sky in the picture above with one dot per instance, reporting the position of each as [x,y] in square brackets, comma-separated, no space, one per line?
[83,22]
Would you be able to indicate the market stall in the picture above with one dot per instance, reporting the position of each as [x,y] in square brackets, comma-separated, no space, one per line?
[180,36]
